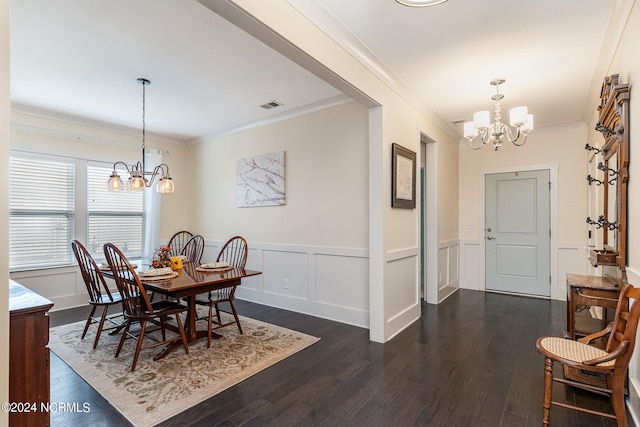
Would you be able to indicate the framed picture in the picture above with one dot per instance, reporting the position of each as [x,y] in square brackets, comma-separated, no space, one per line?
[403,177]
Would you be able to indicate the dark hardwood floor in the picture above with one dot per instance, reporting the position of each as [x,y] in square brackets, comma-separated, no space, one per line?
[470,361]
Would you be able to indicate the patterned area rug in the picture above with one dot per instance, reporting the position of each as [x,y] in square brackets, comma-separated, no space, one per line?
[158,390]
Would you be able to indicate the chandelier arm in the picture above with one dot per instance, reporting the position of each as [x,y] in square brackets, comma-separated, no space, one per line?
[524,139]
[518,134]
[478,147]
[123,164]
[485,135]
[157,171]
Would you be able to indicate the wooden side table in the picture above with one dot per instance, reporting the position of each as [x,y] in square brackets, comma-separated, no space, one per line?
[589,291]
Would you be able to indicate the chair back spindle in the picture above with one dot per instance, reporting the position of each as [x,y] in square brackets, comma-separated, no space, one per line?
[194,249]
[234,252]
[178,242]
[91,274]
[134,297]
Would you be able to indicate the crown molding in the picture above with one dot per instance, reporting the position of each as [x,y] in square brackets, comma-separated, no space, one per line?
[32,110]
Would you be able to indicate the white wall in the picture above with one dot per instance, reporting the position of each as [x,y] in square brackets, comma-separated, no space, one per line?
[626,63]
[560,148]
[393,233]
[318,241]
[4,203]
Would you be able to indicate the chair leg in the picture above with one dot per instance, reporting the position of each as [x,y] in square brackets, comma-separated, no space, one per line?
[235,315]
[100,325]
[124,336]
[163,320]
[143,325]
[617,400]
[218,314]
[210,326]
[548,386]
[86,325]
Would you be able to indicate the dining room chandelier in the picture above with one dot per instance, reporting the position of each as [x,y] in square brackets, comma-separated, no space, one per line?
[497,131]
[139,177]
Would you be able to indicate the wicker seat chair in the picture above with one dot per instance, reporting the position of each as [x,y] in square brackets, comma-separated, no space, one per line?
[612,361]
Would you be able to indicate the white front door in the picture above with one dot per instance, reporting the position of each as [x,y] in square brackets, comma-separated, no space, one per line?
[517,232]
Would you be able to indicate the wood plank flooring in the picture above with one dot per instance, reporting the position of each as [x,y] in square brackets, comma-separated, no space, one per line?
[470,361]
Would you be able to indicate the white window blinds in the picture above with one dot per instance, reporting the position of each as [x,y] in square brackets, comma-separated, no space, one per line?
[116,218]
[41,203]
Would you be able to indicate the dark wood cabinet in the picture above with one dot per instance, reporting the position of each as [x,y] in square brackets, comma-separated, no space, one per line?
[28,357]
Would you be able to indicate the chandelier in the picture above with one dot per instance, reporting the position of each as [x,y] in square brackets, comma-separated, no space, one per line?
[496,132]
[420,3]
[137,173]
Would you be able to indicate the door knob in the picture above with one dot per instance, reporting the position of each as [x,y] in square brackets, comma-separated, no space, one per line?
[490,238]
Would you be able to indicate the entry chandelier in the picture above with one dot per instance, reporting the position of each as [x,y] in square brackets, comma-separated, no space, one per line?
[420,3]
[137,173]
[496,132]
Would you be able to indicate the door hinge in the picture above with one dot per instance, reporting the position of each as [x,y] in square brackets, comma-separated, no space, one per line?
[549,185]
[549,279]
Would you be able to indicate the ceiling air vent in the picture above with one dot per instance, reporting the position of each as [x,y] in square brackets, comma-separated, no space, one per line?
[270,105]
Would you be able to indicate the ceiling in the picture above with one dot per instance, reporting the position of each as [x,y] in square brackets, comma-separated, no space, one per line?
[82,58]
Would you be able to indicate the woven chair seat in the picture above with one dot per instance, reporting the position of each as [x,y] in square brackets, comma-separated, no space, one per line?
[574,350]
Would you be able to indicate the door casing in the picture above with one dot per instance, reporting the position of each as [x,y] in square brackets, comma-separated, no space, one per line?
[553,213]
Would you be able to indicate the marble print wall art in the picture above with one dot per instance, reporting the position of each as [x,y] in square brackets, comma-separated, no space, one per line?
[260,180]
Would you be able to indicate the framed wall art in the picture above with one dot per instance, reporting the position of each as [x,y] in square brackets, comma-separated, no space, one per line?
[260,180]
[403,177]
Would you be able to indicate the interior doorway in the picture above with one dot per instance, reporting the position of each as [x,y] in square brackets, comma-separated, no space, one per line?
[428,237]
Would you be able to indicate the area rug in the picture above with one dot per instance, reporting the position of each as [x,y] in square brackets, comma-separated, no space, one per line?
[158,390]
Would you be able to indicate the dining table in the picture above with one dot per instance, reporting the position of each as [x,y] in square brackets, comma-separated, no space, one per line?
[192,280]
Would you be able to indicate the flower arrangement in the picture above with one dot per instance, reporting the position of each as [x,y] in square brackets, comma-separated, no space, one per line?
[162,258]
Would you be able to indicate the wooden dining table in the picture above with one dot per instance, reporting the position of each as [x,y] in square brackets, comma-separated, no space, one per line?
[190,282]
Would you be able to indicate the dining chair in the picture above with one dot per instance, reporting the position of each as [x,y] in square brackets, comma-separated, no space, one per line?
[193,249]
[611,362]
[138,308]
[99,293]
[234,252]
[178,241]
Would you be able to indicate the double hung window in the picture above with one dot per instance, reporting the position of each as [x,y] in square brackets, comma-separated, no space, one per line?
[42,212]
[116,218]
[53,200]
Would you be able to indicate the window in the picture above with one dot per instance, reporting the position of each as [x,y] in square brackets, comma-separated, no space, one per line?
[41,203]
[117,218]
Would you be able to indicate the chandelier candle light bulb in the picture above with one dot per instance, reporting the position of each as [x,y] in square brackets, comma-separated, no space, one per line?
[495,132]
[137,181]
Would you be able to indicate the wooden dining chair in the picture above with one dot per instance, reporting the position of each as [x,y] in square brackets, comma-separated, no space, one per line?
[234,252]
[178,241]
[193,249]
[612,361]
[138,308]
[99,293]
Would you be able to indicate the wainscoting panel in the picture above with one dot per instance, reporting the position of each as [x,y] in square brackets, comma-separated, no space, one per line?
[571,258]
[470,264]
[285,274]
[62,286]
[338,280]
[327,282]
[402,299]
[448,268]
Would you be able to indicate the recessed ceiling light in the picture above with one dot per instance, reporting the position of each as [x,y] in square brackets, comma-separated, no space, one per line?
[420,3]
